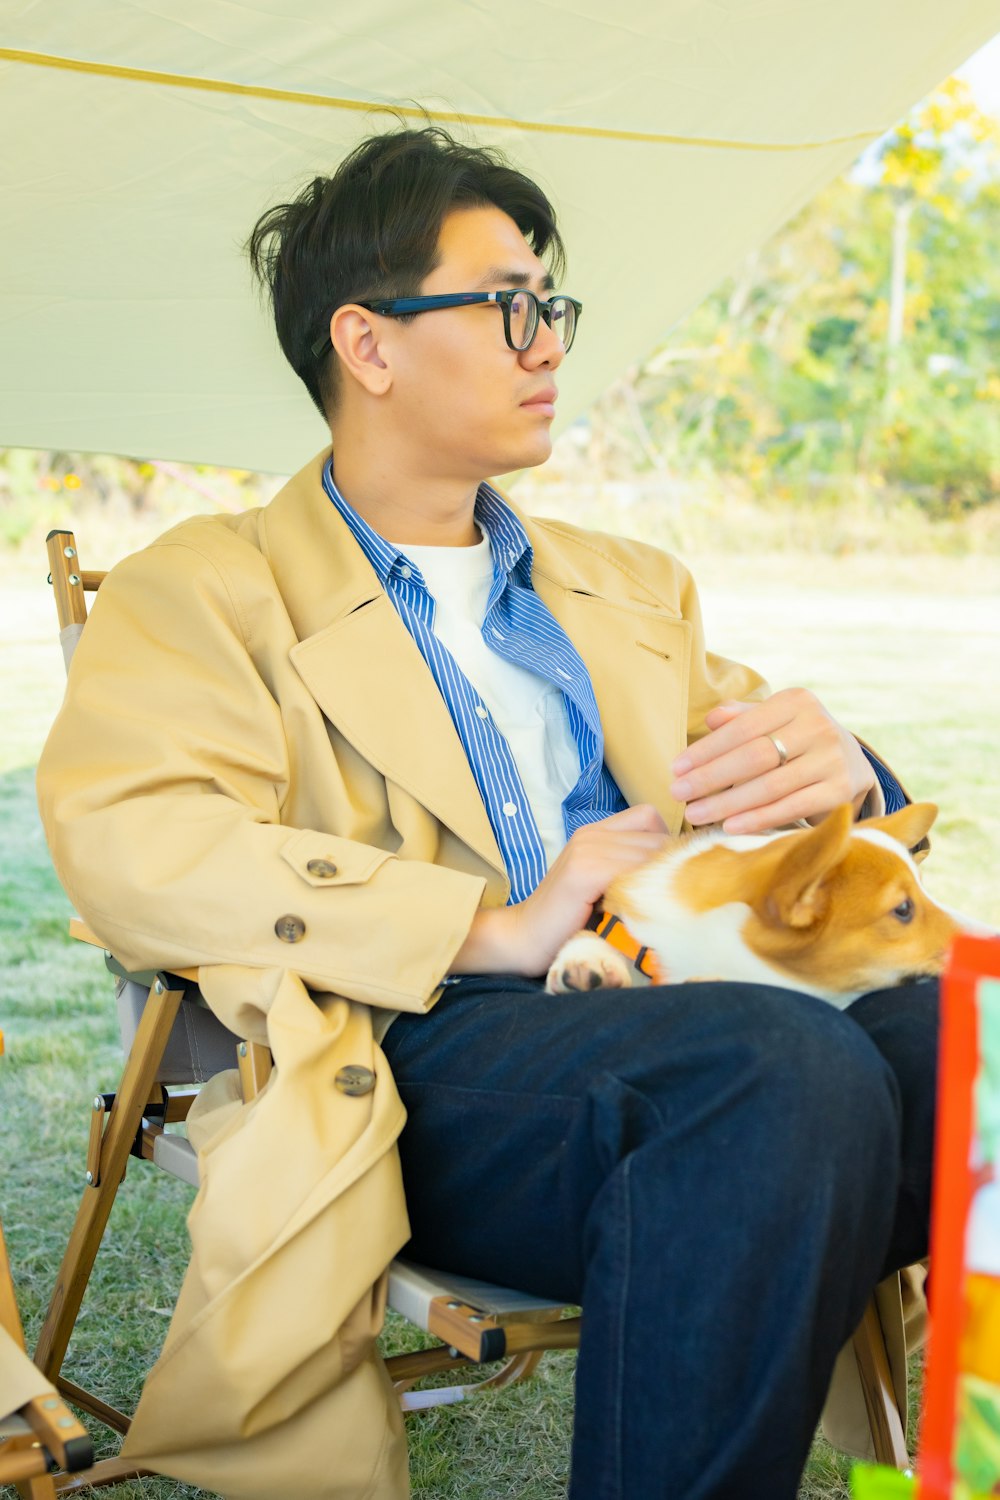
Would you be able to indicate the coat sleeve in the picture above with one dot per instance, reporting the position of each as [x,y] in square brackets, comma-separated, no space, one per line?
[161,787]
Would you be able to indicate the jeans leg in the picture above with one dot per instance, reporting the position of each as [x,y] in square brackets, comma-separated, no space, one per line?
[712,1171]
[903,1022]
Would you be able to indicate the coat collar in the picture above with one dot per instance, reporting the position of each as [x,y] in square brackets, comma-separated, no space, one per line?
[635,649]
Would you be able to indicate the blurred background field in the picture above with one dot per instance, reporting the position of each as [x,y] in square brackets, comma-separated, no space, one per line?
[820,442]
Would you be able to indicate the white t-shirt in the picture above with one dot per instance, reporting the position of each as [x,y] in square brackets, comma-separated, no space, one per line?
[528,711]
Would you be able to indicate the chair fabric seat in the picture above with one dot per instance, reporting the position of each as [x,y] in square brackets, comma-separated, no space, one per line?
[199,1045]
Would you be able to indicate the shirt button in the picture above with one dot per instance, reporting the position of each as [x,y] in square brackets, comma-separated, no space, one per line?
[510,808]
[482,712]
[406,572]
[290,928]
[324,868]
[497,634]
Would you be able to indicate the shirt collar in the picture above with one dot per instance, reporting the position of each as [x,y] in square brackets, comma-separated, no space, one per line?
[381,554]
[512,552]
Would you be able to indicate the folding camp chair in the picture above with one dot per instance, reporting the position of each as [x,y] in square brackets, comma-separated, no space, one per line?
[173,1043]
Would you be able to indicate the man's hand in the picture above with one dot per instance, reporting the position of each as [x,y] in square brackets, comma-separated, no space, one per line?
[524,939]
[734,777]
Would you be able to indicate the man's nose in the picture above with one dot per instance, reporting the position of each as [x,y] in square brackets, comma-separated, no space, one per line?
[546,348]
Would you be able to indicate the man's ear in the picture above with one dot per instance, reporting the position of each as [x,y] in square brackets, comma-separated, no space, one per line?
[908,824]
[796,895]
[354,336]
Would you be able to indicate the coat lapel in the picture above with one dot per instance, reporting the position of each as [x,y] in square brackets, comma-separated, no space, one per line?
[360,663]
[638,654]
[368,676]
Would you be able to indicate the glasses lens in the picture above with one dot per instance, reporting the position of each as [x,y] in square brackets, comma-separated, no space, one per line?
[523,319]
[562,319]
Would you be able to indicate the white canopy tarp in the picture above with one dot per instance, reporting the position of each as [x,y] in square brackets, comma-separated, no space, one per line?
[142,138]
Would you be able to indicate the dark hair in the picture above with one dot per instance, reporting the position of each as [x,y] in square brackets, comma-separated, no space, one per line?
[371,230]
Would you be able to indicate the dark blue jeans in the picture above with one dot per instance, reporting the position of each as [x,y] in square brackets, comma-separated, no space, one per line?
[718,1173]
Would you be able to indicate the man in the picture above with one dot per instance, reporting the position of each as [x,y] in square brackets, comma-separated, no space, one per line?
[473,721]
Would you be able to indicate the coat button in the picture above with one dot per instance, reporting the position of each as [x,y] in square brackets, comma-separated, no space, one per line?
[355,1080]
[325,868]
[290,928]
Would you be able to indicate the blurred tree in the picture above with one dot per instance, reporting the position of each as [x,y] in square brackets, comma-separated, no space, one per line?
[860,346]
[922,163]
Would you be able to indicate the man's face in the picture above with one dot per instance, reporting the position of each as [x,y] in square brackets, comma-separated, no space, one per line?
[469,406]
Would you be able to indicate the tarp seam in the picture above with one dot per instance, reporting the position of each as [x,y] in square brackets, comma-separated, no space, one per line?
[325,101]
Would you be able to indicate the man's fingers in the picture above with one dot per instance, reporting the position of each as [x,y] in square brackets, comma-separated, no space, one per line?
[747,796]
[643,816]
[807,802]
[789,706]
[723,712]
[737,774]
[760,719]
[747,764]
[630,848]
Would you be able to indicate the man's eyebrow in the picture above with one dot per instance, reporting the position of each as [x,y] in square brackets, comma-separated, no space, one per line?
[504,276]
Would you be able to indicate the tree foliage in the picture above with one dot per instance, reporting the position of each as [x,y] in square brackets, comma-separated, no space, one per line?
[861,344]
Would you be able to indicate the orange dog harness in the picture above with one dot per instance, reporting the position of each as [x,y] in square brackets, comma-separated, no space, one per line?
[613,930]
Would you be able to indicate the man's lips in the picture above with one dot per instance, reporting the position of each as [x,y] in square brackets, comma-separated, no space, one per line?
[543,400]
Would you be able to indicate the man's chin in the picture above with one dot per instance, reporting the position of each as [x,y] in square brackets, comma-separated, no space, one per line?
[525,456]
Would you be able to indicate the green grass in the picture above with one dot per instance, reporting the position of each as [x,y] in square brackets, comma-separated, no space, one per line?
[908,661]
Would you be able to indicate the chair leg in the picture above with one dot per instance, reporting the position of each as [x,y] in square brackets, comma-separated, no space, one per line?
[405,1371]
[519,1367]
[107,1471]
[40,1488]
[524,1344]
[10,1318]
[124,1120]
[884,1418]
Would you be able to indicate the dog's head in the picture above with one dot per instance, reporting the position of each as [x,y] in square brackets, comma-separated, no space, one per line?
[842,905]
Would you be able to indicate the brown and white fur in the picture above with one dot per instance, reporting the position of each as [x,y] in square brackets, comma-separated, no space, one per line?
[834,911]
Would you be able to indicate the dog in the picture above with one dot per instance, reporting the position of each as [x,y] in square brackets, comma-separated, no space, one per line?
[833,911]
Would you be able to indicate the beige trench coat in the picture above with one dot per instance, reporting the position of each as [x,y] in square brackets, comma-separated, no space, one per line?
[245,701]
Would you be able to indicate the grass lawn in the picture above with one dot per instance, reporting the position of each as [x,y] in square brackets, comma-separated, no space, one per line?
[908,661]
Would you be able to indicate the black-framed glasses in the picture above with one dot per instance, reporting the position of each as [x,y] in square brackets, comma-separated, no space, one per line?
[522,313]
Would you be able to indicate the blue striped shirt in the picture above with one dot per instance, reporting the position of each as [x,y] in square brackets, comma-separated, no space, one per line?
[519,628]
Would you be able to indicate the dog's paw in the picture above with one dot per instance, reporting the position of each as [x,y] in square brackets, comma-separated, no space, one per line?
[587,962]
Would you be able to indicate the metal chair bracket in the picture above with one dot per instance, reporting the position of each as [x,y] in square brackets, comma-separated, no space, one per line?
[155,1115]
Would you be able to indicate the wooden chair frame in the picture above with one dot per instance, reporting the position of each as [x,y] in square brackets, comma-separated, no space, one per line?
[475,1323]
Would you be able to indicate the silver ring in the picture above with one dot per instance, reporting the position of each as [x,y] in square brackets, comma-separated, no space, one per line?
[782,752]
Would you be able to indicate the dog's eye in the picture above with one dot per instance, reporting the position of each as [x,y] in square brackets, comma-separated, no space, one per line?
[904,911]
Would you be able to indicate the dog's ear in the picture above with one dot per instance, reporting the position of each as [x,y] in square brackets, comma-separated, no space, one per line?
[908,825]
[796,897]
